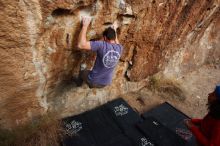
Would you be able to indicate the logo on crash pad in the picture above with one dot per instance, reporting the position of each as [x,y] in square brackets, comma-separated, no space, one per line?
[146,142]
[73,127]
[120,110]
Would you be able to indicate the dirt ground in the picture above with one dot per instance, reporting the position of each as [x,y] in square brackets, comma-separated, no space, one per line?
[194,88]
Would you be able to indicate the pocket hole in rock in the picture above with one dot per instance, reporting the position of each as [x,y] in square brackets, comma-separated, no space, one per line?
[61,12]
[107,23]
[67,39]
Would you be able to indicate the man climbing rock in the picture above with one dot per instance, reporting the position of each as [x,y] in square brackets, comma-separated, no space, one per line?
[108,54]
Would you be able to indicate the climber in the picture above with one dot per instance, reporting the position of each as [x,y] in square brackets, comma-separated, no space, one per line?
[207,130]
[108,54]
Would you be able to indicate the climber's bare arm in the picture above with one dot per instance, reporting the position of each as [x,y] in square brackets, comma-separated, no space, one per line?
[116,39]
[82,42]
[115,26]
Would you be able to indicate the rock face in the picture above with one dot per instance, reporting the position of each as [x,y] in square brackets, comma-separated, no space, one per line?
[38,49]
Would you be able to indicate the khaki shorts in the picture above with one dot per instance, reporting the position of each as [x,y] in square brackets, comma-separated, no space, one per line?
[84,76]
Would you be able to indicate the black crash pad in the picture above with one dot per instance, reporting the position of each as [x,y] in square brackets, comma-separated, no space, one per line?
[117,124]
[172,118]
[102,126]
[160,134]
[77,131]
[118,141]
[95,128]
[137,138]
[122,113]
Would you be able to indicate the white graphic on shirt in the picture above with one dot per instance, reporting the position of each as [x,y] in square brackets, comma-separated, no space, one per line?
[73,127]
[110,59]
[120,110]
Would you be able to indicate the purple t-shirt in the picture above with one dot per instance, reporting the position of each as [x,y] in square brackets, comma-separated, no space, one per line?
[108,55]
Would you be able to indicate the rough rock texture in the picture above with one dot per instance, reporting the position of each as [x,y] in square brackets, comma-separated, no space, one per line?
[165,27]
[38,49]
